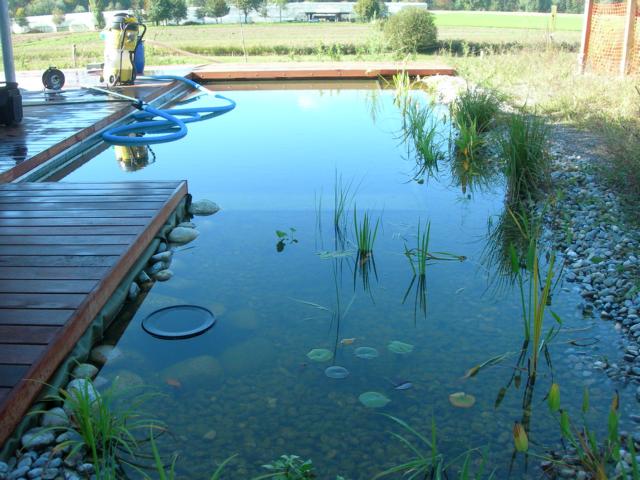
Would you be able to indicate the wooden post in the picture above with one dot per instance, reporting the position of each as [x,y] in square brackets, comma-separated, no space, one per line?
[629,35]
[73,55]
[586,34]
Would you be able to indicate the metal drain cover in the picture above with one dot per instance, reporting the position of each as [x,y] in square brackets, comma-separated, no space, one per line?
[179,321]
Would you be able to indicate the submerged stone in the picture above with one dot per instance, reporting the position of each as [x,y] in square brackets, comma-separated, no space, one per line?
[245,318]
[104,353]
[162,256]
[84,370]
[336,372]
[373,399]
[56,417]
[248,356]
[320,355]
[37,437]
[186,225]
[400,347]
[203,207]
[163,275]
[201,369]
[79,390]
[366,352]
[134,291]
[182,235]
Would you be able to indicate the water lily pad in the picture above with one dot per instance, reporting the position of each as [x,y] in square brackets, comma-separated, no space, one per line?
[400,347]
[320,355]
[366,352]
[462,400]
[373,399]
[336,372]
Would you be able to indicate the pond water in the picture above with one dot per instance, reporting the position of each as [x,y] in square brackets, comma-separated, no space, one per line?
[247,386]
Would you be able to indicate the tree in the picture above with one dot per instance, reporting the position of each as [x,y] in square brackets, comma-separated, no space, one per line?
[57,17]
[178,10]
[217,8]
[159,10]
[20,17]
[367,10]
[97,8]
[246,6]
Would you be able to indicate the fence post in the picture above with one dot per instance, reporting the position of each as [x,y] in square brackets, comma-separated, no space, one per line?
[629,35]
[586,34]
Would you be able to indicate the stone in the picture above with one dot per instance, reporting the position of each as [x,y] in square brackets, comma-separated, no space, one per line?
[56,417]
[210,435]
[104,353]
[162,256]
[156,267]
[18,473]
[77,389]
[196,370]
[37,438]
[126,381]
[84,370]
[163,275]
[203,207]
[249,356]
[85,468]
[187,225]
[143,278]
[183,235]
[134,291]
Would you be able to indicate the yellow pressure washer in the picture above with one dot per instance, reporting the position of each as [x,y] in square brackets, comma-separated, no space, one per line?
[123,50]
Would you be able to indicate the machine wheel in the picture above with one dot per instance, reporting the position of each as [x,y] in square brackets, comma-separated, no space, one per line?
[53,79]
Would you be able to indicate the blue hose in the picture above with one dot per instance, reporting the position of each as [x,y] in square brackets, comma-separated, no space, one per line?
[173,119]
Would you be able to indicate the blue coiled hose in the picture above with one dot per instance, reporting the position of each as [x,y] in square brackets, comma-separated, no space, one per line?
[173,119]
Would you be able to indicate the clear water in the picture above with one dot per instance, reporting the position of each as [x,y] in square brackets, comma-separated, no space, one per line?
[252,391]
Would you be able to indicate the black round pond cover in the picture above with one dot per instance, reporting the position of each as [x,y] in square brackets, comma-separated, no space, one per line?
[179,321]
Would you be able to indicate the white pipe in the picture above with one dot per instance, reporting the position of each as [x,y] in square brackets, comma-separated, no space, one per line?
[5,38]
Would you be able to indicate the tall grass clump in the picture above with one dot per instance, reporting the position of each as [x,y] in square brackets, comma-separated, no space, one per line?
[476,105]
[422,128]
[524,149]
[365,233]
[108,425]
[342,197]
[622,140]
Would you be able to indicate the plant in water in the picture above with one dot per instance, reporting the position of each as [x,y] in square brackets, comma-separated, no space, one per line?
[476,106]
[365,234]
[285,238]
[422,128]
[427,462]
[523,147]
[107,424]
[288,467]
[342,198]
[467,143]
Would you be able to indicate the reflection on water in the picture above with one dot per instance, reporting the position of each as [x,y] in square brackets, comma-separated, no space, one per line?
[247,386]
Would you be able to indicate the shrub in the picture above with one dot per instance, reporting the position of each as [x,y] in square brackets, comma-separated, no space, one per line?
[367,10]
[411,30]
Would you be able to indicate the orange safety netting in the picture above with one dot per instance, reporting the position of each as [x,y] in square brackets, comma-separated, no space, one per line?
[634,63]
[607,37]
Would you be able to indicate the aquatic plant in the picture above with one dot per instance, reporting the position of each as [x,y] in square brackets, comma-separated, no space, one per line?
[367,353]
[320,355]
[400,348]
[429,463]
[402,84]
[107,424]
[342,197]
[524,149]
[373,399]
[478,106]
[462,400]
[421,127]
[365,233]
[288,467]
[468,143]
[285,238]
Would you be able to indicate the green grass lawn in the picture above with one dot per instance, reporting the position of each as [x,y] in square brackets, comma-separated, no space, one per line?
[510,20]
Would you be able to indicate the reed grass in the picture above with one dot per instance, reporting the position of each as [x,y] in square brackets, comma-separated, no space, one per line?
[422,128]
[343,194]
[468,143]
[365,232]
[476,105]
[524,149]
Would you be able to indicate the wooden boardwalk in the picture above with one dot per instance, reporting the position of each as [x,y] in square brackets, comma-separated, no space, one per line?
[54,122]
[64,248]
[315,70]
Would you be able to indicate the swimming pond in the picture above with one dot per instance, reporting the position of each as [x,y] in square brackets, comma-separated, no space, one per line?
[292,298]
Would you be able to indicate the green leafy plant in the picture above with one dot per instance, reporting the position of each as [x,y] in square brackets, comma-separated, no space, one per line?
[476,105]
[524,149]
[422,128]
[468,143]
[411,30]
[285,238]
[107,424]
[288,467]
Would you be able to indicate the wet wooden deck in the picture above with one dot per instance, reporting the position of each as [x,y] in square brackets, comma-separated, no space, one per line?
[64,248]
[316,70]
[54,122]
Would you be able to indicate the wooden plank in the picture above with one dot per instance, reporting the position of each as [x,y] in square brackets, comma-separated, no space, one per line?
[94,207]
[586,34]
[107,230]
[118,213]
[31,316]
[81,199]
[52,273]
[4,393]
[47,286]
[11,374]
[82,223]
[84,191]
[56,250]
[27,334]
[96,186]
[58,261]
[52,240]
[42,300]
[20,354]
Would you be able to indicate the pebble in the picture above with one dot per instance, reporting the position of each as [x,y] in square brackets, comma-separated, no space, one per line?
[183,235]
[203,207]
[104,353]
[162,256]
[134,291]
[143,278]
[36,438]
[56,417]
[84,370]
[187,225]
[163,275]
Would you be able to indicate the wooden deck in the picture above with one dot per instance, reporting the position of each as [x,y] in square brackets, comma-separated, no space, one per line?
[315,70]
[54,122]
[64,248]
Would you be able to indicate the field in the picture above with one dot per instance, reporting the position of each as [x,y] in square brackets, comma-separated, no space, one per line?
[198,44]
